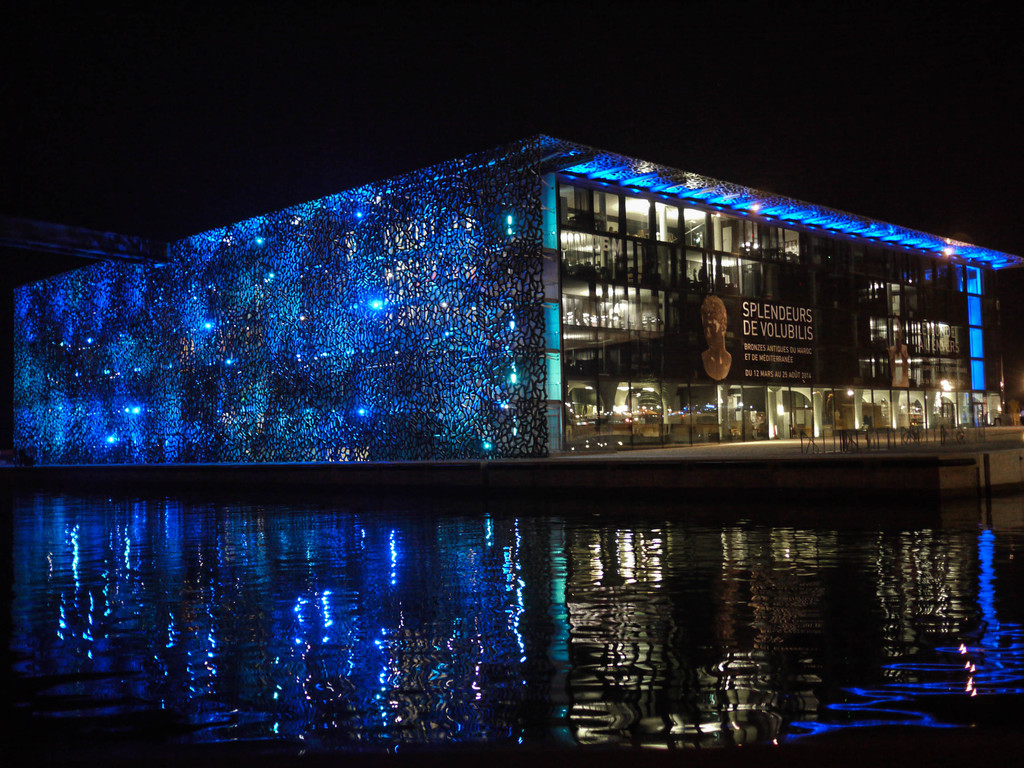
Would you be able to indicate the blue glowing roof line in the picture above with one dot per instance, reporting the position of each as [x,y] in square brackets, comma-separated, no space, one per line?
[647,181]
[600,165]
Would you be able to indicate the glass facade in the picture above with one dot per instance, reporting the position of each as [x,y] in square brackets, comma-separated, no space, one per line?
[685,324]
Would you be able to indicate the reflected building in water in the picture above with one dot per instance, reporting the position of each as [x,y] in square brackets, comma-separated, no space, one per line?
[701,637]
[691,637]
[348,628]
[340,629]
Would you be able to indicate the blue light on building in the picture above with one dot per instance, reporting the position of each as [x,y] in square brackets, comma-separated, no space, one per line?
[287,368]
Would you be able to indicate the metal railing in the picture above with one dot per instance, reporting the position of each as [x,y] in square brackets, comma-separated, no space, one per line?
[890,438]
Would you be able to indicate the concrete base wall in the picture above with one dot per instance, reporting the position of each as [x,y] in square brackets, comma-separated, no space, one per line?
[1005,470]
[841,479]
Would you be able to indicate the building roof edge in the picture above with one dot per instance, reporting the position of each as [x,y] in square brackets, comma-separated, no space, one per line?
[603,166]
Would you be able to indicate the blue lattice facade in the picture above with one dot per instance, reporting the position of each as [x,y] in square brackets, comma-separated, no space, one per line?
[401,320]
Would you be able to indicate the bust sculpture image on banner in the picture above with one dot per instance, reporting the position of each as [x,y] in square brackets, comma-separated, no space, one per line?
[899,357]
[717,359]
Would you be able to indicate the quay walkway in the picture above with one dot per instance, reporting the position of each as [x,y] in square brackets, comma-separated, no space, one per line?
[984,463]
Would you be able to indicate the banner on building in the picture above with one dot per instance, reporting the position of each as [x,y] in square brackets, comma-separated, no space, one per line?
[776,340]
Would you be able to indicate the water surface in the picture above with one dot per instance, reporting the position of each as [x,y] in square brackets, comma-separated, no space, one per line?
[361,627]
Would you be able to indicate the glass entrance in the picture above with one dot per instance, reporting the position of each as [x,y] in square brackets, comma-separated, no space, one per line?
[734,420]
[801,412]
[754,413]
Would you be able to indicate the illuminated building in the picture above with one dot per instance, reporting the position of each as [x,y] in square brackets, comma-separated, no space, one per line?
[543,296]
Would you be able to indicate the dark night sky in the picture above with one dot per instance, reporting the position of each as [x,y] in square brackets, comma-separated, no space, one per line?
[163,120]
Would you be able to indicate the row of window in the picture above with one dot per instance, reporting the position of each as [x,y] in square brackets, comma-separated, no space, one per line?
[619,413]
[601,352]
[593,259]
[620,221]
[650,311]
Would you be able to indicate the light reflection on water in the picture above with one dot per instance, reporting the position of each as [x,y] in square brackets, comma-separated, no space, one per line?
[363,627]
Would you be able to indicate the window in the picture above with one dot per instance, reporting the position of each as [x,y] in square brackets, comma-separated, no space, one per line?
[592,257]
[574,206]
[973,310]
[977,346]
[977,374]
[730,275]
[694,228]
[958,277]
[750,277]
[879,331]
[648,306]
[606,211]
[696,273]
[666,219]
[665,274]
[974,281]
[790,245]
[638,217]
[731,235]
